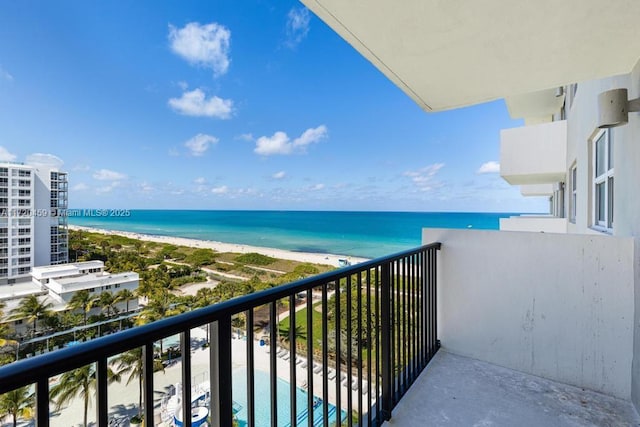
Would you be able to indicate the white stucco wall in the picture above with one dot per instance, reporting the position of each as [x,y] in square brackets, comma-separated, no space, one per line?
[555,305]
[582,119]
[534,154]
[544,224]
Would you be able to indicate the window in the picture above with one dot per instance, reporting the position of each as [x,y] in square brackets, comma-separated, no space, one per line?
[603,180]
[573,196]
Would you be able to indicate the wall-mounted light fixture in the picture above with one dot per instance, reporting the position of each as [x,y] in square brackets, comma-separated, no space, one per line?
[614,107]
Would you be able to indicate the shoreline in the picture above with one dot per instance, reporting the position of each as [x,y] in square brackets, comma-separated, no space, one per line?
[310,257]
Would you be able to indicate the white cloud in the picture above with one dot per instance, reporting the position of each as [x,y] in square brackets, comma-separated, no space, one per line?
[280,143]
[145,187]
[310,136]
[298,20]
[223,189]
[81,186]
[108,188]
[200,143]
[277,144]
[108,175]
[6,156]
[202,45]
[489,167]
[424,178]
[200,180]
[196,103]
[279,175]
[245,137]
[183,85]
[317,187]
[45,160]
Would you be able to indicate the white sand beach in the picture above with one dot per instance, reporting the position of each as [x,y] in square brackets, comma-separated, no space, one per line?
[315,258]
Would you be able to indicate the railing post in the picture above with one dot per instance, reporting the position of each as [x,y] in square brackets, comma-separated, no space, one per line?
[147,372]
[185,352]
[42,402]
[220,376]
[102,408]
[385,323]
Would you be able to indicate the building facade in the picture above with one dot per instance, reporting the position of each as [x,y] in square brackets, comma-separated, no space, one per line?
[588,173]
[33,220]
[64,280]
[56,284]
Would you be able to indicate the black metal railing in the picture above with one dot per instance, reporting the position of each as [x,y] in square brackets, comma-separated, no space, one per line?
[356,339]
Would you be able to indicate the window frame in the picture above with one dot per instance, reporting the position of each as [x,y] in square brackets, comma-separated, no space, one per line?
[573,192]
[604,182]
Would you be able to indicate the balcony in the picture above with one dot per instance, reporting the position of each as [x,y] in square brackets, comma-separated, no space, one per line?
[510,332]
[534,223]
[384,314]
[534,154]
[537,190]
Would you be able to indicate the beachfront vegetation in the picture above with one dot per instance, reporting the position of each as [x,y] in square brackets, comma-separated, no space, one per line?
[255,259]
[167,272]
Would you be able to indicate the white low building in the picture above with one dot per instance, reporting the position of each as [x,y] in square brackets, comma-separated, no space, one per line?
[56,284]
[64,280]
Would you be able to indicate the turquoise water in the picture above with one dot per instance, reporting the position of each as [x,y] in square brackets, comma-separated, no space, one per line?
[263,402]
[364,234]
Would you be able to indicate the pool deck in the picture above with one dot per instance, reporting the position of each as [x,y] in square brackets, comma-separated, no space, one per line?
[123,398]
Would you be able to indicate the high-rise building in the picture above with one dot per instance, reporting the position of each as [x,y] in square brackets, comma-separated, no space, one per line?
[33,219]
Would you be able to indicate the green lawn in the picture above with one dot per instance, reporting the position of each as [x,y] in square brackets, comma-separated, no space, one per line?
[301,339]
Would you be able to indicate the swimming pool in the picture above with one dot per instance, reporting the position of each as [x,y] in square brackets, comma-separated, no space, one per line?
[263,402]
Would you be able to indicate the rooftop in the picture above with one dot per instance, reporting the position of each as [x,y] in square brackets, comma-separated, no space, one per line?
[19,290]
[49,271]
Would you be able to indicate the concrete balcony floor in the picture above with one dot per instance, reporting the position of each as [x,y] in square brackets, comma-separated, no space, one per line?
[459,391]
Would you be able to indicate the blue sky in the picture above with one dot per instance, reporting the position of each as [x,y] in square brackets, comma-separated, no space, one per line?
[232,105]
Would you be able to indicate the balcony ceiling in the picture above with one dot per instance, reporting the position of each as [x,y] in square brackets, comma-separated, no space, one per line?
[447,54]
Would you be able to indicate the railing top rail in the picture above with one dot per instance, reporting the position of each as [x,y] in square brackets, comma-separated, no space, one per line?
[29,370]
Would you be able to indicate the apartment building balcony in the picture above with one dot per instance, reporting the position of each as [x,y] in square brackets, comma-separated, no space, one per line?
[486,328]
[534,223]
[535,154]
[537,190]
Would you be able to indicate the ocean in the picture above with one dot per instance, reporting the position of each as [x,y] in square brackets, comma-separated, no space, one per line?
[361,234]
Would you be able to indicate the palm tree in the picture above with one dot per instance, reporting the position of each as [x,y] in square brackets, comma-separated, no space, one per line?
[109,303]
[130,363]
[32,309]
[78,382]
[298,332]
[4,328]
[125,295]
[161,304]
[17,403]
[83,301]
[204,298]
